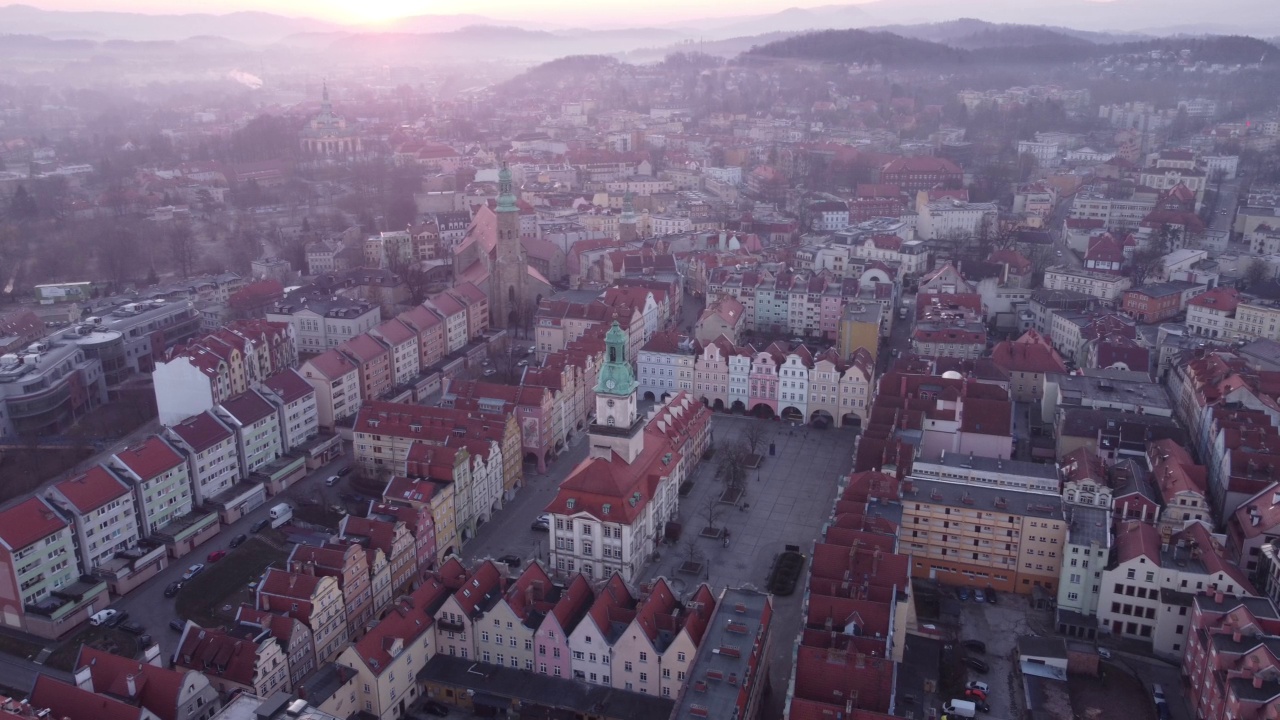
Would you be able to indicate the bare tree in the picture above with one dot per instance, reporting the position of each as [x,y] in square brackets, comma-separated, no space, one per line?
[733,466]
[182,248]
[753,438]
[713,509]
[1257,272]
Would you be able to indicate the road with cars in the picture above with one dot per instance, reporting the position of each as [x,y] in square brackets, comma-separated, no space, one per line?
[148,606]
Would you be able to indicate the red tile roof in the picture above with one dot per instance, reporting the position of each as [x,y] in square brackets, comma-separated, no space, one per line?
[1220,299]
[152,458]
[331,365]
[248,407]
[155,688]
[201,431]
[1029,353]
[407,620]
[289,385]
[30,520]
[218,654]
[65,700]
[92,489]
[363,348]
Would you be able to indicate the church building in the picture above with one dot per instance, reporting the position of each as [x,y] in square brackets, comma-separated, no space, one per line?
[492,256]
[613,510]
[327,135]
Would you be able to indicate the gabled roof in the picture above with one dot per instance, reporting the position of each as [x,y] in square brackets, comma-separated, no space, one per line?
[331,365]
[30,520]
[92,489]
[408,619]
[363,348]
[65,700]
[151,458]
[155,688]
[219,654]
[202,431]
[289,385]
[249,407]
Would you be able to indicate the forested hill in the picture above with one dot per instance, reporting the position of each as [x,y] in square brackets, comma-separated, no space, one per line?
[863,47]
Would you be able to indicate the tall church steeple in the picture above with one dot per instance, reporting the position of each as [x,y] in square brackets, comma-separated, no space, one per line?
[509,278]
[627,223]
[617,427]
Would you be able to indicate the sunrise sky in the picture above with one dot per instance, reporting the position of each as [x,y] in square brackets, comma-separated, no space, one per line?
[374,11]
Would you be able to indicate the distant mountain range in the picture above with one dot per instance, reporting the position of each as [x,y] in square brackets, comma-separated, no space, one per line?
[1092,21]
[782,34]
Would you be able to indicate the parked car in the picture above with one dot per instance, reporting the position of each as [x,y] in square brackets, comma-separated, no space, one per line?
[177,625]
[216,555]
[173,588]
[115,620]
[975,695]
[238,540]
[144,640]
[979,596]
[438,709]
[1104,653]
[975,664]
[133,628]
[102,617]
[963,593]
[343,472]
[193,571]
[977,685]
[258,526]
[543,523]
[512,561]
[1157,692]
[975,645]
[991,595]
[332,480]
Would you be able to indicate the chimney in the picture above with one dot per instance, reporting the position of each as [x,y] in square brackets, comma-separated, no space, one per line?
[1217,597]
[1257,681]
[131,684]
[1235,636]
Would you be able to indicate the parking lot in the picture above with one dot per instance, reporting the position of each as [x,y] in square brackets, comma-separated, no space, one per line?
[999,626]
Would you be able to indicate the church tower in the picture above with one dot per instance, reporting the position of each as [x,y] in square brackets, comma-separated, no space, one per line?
[627,223]
[618,427]
[508,280]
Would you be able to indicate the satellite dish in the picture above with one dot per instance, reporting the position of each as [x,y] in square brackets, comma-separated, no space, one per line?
[952,375]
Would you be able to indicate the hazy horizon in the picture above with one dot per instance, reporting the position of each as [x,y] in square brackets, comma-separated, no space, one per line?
[557,12]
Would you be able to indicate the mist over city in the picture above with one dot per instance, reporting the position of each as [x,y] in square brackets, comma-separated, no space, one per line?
[754,361]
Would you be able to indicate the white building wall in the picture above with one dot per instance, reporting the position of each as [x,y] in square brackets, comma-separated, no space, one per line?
[181,390]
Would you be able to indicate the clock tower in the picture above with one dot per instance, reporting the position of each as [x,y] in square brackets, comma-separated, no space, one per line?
[617,427]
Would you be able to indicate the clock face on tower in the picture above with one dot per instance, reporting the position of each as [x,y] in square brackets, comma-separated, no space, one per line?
[610,384]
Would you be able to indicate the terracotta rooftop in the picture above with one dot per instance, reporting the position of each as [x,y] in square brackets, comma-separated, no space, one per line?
[151,458]
[92,489]
[30,520]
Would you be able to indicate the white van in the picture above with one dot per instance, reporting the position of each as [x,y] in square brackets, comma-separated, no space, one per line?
[281,514]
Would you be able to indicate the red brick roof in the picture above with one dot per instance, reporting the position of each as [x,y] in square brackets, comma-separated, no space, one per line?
[1029,353]
[92,489]
[152,458]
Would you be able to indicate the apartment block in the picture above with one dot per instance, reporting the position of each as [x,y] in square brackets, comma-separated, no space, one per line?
[960,534]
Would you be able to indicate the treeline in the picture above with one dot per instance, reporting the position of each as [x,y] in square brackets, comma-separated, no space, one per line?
[1011,45]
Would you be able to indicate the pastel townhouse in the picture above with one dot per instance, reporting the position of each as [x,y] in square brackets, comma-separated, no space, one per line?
[388,658]
[591,642]
[350,566]
[100,507]
[314,600]
[653,654]
[463,615]
[551,641]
